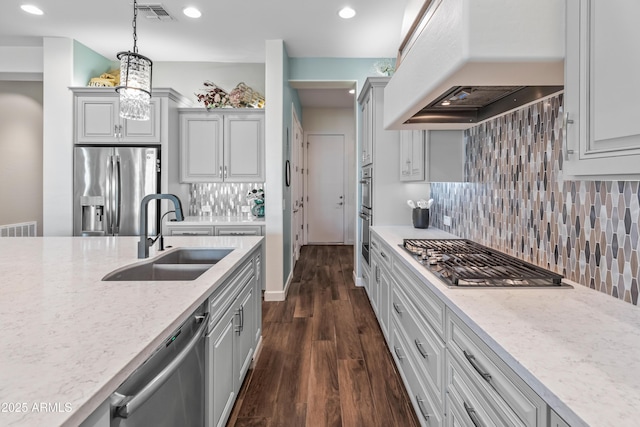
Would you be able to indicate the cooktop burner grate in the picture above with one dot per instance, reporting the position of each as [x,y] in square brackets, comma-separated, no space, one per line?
[464,263]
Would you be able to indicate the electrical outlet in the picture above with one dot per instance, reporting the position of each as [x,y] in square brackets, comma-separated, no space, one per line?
[447,220]
[245,209]
[206,209]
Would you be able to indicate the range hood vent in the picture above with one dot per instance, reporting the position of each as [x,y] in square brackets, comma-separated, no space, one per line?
[155,11]
[482,57]
[473,104]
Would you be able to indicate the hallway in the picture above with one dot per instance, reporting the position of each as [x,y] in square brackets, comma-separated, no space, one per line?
[324,361]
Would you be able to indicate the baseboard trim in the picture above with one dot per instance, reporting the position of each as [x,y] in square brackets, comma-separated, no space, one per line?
[256,354]
[279,295]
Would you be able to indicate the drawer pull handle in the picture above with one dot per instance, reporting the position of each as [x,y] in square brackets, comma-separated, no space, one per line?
[383,255]
[396,307]
[472,359]
[473,415]
[374,244]
[423,410]
[397,350]
[421,349]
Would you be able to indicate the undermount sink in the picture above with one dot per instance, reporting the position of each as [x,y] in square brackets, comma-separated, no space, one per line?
[179,264]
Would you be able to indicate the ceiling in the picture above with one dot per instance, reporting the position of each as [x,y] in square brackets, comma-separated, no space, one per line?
[228,31]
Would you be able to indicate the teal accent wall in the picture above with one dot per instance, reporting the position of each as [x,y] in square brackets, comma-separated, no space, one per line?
[88,63]
[291,101]
[334,69]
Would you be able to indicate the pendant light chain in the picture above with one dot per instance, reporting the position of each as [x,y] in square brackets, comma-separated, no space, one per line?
[135,34]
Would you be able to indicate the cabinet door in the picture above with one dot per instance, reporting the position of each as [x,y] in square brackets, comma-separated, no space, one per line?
[220,392]
[201,148]
[244,148]
[412,155]
[384,289]
[367,130]
[97,119]
[374,284]
[602,86]
[147,131]
[247,319]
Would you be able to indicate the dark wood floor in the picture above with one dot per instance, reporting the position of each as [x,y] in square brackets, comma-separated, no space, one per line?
[324,360]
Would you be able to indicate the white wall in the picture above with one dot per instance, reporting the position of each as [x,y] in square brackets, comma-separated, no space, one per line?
[21,152]
[188,77]
[338,121]
[274,72]
[58,137]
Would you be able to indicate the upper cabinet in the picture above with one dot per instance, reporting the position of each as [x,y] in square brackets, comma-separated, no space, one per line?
[366,148]
[217,146]
[602,86]
[98,119]
[412,155]
[432,156]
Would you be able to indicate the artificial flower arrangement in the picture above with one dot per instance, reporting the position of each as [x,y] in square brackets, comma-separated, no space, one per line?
[257,197]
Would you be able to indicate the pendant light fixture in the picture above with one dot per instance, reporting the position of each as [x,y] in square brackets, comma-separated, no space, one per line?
[135,80]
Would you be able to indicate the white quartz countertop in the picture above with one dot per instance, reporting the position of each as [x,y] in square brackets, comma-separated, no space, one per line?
[579,349]
[218,220]
[70,339]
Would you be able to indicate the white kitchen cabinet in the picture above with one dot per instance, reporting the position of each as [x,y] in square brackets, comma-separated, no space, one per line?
[382,279]
[510,398]
[189,230]
[221,146]
[98,120]
[432,156]
[177,229]
[235,332]
[412,155]
[367,131]
[239,230]
[555,420]
[602,86]
[374,283]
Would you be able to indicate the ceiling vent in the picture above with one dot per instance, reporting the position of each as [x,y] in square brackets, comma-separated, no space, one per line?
[154,11]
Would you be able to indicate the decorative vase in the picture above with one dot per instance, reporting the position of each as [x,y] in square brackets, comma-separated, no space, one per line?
[258,208]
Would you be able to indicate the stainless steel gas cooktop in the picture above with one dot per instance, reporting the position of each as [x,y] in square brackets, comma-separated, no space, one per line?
[463,263]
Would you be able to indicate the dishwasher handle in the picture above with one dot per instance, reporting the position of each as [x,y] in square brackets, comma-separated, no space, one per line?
[127,405]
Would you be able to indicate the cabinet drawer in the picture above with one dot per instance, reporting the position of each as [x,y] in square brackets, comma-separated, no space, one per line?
[505,391]
[470,407]
[224,296]
[189,231]
[429,413]
[426,302]
[425,346]
[381,251]
[242,230]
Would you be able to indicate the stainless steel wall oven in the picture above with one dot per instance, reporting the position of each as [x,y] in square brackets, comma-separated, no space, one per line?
[365,211]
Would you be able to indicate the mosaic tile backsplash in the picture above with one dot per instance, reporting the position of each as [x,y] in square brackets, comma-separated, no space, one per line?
[516,200]
[224,199]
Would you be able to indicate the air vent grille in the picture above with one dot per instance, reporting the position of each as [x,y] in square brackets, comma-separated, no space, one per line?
[154,11]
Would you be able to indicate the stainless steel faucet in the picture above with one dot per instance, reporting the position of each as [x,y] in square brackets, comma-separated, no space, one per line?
[145,241]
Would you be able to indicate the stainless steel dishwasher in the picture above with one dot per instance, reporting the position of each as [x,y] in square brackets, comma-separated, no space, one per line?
[168,389]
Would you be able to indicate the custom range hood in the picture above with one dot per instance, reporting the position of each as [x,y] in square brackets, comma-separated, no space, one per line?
[465,61]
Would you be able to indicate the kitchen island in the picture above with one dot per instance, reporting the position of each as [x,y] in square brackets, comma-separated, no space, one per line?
[576,348]
[70,339]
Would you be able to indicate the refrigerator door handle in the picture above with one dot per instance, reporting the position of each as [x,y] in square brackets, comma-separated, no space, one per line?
[118,195]
[109,190]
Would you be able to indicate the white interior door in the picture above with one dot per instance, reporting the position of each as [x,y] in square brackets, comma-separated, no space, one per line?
[325,203]
[297,188]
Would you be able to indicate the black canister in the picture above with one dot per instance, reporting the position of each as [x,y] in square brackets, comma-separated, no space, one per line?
[421,218]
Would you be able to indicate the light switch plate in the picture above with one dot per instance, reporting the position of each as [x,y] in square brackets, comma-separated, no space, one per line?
[447,220]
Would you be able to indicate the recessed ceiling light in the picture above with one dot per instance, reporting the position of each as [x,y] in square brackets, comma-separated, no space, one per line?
[352,91]
[445,103]
[346,13]
[34,10]
[192,12]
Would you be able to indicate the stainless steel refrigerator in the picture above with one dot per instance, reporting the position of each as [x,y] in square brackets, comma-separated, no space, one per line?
[109,183]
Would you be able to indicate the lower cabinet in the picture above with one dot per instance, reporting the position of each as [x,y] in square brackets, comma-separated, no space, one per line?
[233,336]
[176,229]
[451,375]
